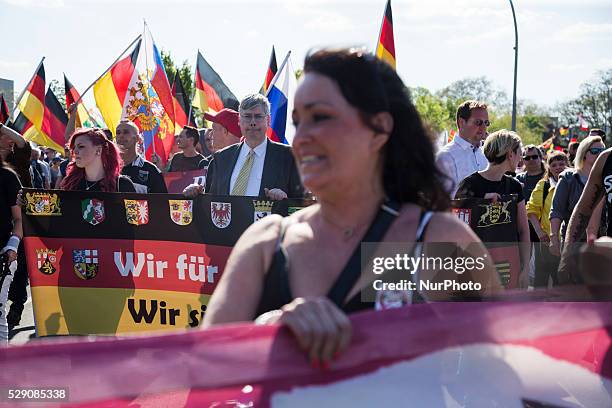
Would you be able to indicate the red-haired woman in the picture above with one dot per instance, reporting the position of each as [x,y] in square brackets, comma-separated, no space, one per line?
[97,164]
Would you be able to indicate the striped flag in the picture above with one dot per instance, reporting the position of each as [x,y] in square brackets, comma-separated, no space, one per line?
[385,49]
[181,106]
[110,90]
[270,73]
[54,123]
[4,112]
[25,128]
[280,94]
[83,119]
[148,101]
[211,93]
[32,102]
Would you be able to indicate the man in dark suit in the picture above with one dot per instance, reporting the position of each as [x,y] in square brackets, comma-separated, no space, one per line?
[257,166]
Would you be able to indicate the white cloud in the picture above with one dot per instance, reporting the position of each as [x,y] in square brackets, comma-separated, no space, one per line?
[330,22]
[14,65]
[567,67]
[580,32]
[36,3]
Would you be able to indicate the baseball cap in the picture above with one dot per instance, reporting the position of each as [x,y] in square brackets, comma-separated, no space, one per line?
[228,118]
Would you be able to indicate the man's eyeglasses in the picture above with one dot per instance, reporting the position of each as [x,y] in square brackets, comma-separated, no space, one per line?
[596,150]
[531,157]
[480,122]
[250,116]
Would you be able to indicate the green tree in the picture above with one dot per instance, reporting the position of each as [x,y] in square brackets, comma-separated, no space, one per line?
[479,88]
[432,109]
[594,103]
[186,73]
[59,91]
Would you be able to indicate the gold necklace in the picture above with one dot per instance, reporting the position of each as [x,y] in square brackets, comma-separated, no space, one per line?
[88,186]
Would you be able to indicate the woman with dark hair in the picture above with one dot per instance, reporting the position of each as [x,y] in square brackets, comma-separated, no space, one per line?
[503,151]
[538,211]
[97,164]
[362,150]
[10,236]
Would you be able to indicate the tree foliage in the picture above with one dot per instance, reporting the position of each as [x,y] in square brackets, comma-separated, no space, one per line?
[186,73]
[594,103]
[59,91]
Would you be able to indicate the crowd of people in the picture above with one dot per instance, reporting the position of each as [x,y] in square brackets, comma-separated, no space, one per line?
[364,152]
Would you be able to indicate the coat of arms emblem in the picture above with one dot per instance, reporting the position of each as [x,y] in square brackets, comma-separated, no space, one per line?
[42,204]
[46,261]
[93,211]
[85,263]
[221,214]
[262,209]
[181,211]
[137,211]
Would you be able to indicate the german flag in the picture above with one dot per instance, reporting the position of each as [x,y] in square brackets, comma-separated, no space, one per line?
[272,70]
[26,129]
[111,88]
[211,93]
[83,118]
[32,103]
[181,106]
[4,112]
[55,121]
[385,50]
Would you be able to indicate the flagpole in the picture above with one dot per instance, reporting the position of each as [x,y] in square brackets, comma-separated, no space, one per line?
[24,89]
[146,28]
[273,82]
[107,69]
[194,91]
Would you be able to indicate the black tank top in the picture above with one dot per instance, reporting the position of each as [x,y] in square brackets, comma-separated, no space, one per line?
[607,183]
[276,291]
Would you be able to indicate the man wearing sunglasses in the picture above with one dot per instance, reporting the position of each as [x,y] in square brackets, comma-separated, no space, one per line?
[598,187]
[463,156]
[534,169]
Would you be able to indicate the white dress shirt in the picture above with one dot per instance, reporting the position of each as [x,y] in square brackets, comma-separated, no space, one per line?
[256,171]
[459,159]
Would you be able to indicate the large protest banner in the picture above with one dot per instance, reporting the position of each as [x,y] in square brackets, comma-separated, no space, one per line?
[106,263]
[495,223]
[428,355]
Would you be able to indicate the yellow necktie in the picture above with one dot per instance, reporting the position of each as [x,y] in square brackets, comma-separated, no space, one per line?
[243,177]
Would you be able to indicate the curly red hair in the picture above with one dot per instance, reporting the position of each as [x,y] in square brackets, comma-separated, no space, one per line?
[111,161]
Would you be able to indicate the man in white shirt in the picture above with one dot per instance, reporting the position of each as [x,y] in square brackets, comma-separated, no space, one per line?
[463,156]
[257,166]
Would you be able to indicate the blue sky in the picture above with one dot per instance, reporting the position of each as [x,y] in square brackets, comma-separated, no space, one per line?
[562,42]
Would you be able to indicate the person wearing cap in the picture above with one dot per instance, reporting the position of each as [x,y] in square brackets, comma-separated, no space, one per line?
[188,158]
[255,167]
[225,128]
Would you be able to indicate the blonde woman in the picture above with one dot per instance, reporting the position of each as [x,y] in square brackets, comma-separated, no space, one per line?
[538,210]
[569,189]
[503,151]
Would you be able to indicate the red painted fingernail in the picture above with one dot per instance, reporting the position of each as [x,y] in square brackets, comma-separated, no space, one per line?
[315,363]
[325,365]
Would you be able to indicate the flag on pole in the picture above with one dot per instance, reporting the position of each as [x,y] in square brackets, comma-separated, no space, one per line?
[280,94]
[584,125]
[83,119]
[32,102]
[110,90]
[385,49]
[181,106]
[4,112]
[211,93]
[270,73]
[148,101]
[54,123]
[25,128]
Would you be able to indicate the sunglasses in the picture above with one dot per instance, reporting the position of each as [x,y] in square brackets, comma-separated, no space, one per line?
[532,157]
[596,150]
[480,122]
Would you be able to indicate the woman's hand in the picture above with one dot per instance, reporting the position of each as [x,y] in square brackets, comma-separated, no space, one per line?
[321,329]
[555,246]
[493,196]
[11,255]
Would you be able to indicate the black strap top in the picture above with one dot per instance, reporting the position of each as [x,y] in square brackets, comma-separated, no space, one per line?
[277,292]
[607,183]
